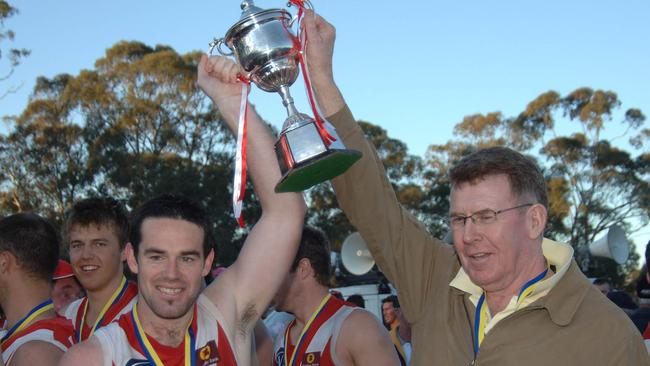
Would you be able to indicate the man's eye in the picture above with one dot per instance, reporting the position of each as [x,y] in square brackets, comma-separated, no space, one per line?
[457,220]
[484,216]
[187,259]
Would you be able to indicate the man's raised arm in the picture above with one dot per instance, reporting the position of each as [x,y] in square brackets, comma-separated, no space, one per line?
[245,289]
[398,242]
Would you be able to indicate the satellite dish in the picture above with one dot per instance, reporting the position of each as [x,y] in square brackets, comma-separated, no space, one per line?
[613,245]
[355,255]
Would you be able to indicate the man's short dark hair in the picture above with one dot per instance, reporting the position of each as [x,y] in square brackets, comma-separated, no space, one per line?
[391,299]
[173,207]
[98,211]
[601,281]
[357,300]
[524,175]
[316,248]
[33,241]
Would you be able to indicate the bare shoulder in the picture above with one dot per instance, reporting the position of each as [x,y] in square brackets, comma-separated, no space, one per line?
[37,353]
[363,340]
[85,353]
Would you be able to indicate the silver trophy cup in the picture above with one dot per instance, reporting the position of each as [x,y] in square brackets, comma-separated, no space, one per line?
[265,47]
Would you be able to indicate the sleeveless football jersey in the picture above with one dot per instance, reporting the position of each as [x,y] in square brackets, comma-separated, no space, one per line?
[121,344]
[57,331]
[122,303]
[317,346]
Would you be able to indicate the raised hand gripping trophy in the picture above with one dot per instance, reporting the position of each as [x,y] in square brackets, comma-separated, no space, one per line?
[308,149]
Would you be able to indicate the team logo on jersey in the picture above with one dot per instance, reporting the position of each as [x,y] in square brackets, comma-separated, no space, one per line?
[133,362]
[279,357]
[208,354]
[311,359]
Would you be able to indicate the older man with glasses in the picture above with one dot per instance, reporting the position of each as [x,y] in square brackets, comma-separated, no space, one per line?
[502,295]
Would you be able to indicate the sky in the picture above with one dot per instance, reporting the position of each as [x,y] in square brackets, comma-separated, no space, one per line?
[416,68]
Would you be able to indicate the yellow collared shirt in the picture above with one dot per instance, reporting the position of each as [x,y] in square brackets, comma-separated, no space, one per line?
[557,254]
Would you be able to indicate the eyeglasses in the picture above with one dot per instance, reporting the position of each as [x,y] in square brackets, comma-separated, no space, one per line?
[483,217]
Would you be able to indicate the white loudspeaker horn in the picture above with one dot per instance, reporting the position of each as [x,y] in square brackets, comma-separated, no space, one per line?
[355,255]
[613,245]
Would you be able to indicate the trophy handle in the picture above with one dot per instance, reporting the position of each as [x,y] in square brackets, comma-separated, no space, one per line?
[217,43]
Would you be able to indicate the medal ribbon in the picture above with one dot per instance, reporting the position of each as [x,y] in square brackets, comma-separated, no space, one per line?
[27,319]
[480,319]
[303,334]
[239,185]
[115,297]
[151,354]
[300,44]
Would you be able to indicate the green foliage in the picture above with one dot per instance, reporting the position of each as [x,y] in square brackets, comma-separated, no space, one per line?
[133,127]
[11,56]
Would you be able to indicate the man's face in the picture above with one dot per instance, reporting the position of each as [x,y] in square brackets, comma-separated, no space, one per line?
[95,256]
[287,292]
[389,312]
[170,266]
[65,291]
[493,255]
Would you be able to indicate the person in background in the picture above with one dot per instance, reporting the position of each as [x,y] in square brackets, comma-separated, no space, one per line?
[326,330]
[357,300]
[65,287]
[29,251]
[398,327]
[603,285]
[95,231]
[641,316]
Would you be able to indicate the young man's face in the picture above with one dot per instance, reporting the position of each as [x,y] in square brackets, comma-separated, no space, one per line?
[170,265]
[95,256]
[389,312]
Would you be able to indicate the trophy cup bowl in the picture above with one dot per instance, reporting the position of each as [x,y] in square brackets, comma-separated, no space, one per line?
[266,49]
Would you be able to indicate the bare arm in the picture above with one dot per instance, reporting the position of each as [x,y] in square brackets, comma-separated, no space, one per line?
[249,284]
[364,342]
[88,352]
[36,353]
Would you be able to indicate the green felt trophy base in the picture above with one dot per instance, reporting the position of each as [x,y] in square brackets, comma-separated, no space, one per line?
[323,167]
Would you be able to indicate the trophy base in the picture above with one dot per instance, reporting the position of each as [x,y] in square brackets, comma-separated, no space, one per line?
[317,170]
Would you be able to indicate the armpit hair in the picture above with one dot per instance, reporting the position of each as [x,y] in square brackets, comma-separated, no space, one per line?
[247,317]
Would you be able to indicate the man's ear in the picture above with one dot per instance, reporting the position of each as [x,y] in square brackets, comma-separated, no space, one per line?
[304,269]
[537,217]
[207,265]
[6,260]
[131,260]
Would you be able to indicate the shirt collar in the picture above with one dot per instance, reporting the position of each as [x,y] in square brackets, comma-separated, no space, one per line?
[558,256]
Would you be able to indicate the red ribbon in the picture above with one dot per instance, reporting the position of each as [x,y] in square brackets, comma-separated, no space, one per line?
[298,45]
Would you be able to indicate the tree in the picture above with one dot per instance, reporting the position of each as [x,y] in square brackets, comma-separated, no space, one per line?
[133,127]
[12,56]
[592,183]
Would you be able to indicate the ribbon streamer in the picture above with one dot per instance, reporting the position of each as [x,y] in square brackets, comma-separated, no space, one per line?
[239,188]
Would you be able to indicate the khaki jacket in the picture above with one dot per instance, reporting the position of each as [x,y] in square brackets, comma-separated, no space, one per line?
[572,325]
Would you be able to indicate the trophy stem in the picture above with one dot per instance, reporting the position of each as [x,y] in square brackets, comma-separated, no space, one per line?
[287,100]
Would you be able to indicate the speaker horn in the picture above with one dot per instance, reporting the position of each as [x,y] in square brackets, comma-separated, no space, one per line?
[355,255]
[613,245]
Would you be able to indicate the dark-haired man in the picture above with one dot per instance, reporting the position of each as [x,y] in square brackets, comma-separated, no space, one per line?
[29,249]
[95,232]
[502,294]
[171,250]
[326,330]
[398,329]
